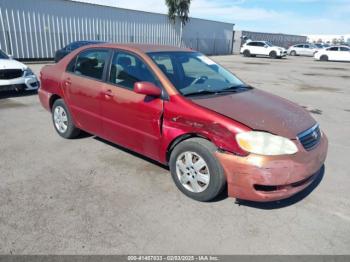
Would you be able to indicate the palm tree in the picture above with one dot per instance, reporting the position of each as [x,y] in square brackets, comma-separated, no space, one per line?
[180,9]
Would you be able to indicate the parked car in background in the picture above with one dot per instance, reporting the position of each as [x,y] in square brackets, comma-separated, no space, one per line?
[15,76]
[262,48]
[182,109]
[302,50]
[71,47]
[334,53]
[320,45]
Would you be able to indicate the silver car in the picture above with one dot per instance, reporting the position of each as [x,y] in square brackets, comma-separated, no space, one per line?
[16,76]
[302,49]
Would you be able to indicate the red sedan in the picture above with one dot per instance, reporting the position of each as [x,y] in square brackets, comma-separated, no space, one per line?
[180,108]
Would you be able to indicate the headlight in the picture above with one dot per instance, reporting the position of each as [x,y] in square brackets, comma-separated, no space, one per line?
[263,143]
[28,72]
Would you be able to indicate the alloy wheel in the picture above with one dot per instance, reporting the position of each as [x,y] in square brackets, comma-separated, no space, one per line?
[60,119]
[192,172]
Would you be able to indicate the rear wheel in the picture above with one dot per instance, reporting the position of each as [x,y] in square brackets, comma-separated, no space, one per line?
[324,58]
[293,53]
[273,54]
[196,171]
[62,120]
[246,53]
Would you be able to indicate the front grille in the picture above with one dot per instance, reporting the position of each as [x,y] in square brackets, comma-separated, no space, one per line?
[7,74]
[310,138]
[13,87]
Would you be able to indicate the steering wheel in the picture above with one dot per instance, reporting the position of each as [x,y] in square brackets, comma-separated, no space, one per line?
[198,79]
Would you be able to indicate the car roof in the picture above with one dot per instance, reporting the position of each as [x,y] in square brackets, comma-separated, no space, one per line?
[145,48]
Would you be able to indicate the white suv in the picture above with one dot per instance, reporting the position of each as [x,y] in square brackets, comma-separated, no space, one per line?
[263,48]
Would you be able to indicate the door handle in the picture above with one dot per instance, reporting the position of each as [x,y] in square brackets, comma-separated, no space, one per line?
[67,82]
[109,93]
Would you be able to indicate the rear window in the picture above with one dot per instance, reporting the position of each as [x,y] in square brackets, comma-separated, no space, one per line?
[252,44]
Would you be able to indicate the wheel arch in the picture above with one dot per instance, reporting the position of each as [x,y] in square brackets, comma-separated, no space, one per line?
[181,138]
[52,100]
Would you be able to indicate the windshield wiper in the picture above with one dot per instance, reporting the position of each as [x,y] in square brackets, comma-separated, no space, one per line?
[233,89]
[202,92]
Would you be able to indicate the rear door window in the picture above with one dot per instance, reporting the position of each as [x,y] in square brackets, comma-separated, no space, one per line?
[91,63]
[333,48]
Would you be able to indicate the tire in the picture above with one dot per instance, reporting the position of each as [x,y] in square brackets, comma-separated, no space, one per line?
[293,53]
[273,54]
[324,58]
[246,53]
[62,120]
[200,149]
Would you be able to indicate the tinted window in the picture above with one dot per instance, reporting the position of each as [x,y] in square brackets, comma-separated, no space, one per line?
[260,44]
[127,69]
[252,44]
[195,73]
[3,55]
[306,46]
[91,63]
[299,46]
[333,49]
[342,48]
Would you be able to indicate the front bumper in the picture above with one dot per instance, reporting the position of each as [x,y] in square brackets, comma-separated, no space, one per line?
[24,83]
[270,178]
[283,53]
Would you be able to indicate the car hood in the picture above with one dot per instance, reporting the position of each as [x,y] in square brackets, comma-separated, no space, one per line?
[262,111]
[280,47]
[11,64]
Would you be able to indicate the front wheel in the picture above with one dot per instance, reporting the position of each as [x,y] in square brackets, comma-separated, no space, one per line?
[62,120]
[293,53]
[196,171]
[273,54]
[324,58]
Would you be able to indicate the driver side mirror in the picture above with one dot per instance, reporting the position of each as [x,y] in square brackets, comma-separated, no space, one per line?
[10,56]
[266,46]
[147,88]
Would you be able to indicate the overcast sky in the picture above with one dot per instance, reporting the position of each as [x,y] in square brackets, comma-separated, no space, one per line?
[279,16]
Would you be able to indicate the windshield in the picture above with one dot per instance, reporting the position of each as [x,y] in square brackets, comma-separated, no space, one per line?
[193,73]
[268,43]
[3,55]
